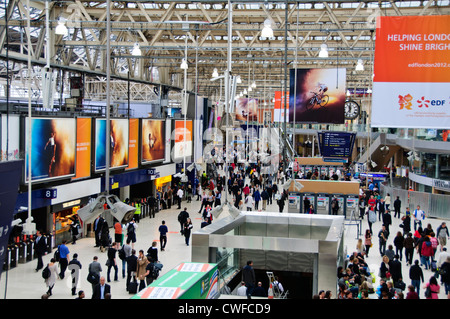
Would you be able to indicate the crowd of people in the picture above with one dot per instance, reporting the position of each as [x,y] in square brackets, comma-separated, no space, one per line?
[248,189]
[420,247]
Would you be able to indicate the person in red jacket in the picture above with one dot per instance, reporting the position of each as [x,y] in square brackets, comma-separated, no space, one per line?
[372,202]
[426,252]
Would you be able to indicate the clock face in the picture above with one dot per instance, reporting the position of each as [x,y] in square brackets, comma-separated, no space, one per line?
[351,110]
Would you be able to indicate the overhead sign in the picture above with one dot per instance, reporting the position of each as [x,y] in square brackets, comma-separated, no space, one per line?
[336,145]
[411,72]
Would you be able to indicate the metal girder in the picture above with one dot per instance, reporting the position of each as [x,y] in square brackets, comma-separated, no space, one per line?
[160,28]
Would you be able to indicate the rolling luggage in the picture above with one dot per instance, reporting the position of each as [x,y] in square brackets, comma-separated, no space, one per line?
[133,287]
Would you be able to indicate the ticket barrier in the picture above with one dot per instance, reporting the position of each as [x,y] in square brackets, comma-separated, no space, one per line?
[22,247]
[312,201]
[10,258]
[294,203]
[30,250]
[323,204]
[48,241]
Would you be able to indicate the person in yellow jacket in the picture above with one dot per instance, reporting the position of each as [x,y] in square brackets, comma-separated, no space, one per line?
[137,213]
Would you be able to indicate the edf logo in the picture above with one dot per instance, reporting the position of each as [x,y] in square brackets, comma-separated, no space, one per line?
[406,102]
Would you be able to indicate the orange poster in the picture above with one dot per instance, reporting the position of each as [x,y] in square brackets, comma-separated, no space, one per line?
[412,72]
[133,144]
[83,159]
[412,49]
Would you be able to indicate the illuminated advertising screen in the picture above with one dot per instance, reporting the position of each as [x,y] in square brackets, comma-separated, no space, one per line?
[183,139]
[83,160]
[53,148]
[153,140]
[317,95]
[118,139]
[133,144]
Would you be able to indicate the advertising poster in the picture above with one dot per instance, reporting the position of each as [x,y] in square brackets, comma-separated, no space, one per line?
[246,109]
[53,148]
[317,95]
[133,147]
[118,139]
[83,160]
[10,137]
[183,139]
[278,112]
[411,77]
[153,140]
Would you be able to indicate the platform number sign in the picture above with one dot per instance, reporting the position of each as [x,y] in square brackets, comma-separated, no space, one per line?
[49,193]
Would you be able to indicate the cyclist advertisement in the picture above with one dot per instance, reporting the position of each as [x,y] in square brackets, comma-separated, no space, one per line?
[317,95]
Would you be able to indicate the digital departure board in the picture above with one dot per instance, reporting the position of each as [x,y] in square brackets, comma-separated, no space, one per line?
[336,146]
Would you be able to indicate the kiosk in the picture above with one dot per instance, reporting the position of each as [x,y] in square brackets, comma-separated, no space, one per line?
[323,204]
[294,203]
[312,201]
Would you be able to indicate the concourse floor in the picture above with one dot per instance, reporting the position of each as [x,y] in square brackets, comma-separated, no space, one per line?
[23,282]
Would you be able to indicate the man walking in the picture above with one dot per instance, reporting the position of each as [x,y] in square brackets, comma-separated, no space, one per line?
[397,207]
[163,230]
[419,215]
[248,277]
[40,247]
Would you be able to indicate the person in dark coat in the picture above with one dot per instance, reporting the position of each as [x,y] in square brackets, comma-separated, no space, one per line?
[182,218]
[40,247]
[397,206]
[102,290]
[395,268]
[248,277]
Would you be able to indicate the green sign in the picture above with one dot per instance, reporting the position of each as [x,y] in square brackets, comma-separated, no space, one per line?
[186,281]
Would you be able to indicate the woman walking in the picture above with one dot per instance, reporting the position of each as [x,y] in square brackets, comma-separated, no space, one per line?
[50,281]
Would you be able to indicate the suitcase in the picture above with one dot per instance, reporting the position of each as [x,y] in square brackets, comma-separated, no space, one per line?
[132,287]
[433,266]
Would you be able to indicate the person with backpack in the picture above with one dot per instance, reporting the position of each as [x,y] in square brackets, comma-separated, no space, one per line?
[131,232]
[125,252]
[182,217]
[50,275]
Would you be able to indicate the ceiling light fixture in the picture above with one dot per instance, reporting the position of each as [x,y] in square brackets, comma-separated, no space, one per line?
[267,31]
[323,51]
[184,65]
[359,65]
[61,28]
[136,50]
[215,73]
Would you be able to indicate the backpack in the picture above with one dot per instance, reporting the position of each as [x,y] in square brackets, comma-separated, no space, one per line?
[46,272]
[130,228]
[122,253]
[57,254]
[155,270]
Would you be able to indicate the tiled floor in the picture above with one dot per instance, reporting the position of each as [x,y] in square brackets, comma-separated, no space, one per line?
[23,282]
